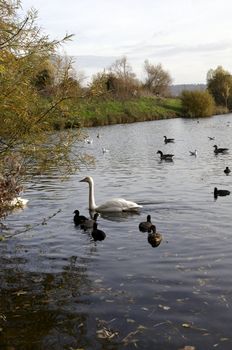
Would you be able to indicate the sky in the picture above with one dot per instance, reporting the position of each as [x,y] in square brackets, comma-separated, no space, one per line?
[188,37]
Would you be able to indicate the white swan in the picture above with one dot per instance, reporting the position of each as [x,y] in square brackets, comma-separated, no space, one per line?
[113,205]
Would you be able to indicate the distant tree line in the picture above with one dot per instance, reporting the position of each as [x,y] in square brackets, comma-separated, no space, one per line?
[120,82]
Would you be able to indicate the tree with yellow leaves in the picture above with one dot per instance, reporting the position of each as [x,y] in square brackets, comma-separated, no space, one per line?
[29,67]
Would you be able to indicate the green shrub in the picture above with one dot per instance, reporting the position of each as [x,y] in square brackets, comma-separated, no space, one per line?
[197,104]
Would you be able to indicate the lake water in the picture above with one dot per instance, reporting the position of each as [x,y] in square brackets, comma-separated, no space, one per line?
[60,290]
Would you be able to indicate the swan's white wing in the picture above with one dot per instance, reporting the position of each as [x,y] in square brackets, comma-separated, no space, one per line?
[118,205]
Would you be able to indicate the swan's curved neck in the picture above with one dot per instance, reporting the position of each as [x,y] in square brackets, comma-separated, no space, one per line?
[92,204]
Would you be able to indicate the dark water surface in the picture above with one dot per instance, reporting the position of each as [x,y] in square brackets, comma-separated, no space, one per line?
[60,290]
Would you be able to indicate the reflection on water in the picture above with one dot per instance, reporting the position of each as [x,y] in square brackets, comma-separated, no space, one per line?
[62,290]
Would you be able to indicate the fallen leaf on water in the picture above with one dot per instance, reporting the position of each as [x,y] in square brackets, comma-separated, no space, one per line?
[106,333]
[186,325]
[20,292]
[141,327]
[129,320]
[3,317]
[164,307]
[144,308]
[188,347]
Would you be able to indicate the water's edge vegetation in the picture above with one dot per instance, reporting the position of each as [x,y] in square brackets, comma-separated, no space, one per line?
[99,112]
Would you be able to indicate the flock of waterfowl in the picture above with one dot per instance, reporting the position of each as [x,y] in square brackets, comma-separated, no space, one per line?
[89,224]
[154,238]
[114,205]
[117,205]
[217,150]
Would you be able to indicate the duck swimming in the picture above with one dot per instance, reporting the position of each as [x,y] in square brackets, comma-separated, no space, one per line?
[220,192]
[145,225]
[113,205]
[165,156]
[79,219]
[154,238]
[220,150]
[227,170]
[88,224]
[98,235]
[166,140]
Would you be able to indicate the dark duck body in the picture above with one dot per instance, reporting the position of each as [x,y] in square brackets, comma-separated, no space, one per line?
[88,224]
[154,238]
[227,170]
[79,219]
[165,156]
[145,225]
[221,193]
[168,140]
[98,235]
[220,149]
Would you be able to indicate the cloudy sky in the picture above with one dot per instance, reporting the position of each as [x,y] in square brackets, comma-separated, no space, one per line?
[188,37]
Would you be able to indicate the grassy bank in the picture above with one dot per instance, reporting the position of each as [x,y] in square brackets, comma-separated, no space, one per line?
[105,112]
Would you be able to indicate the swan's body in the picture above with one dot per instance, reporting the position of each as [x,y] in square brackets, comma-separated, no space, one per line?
[113,205]
[145,225]
[220,150]
[166,140]
[227,170]
[154,238]
[79,219]
[165,156]
[220,192]
[88,224]
[193,153]
[98,235]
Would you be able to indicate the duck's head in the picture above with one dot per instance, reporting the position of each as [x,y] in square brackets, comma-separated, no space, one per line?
[215,146]
[76,212]
[96,215]
[159,152]
[152,229]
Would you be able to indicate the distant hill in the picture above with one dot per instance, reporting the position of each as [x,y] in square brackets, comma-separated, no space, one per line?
[177,89]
